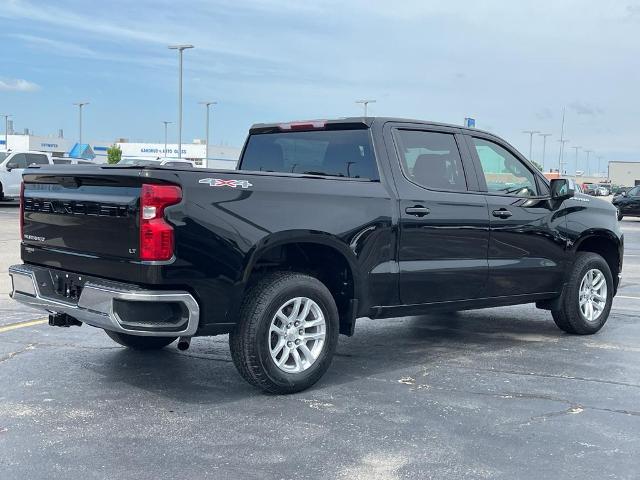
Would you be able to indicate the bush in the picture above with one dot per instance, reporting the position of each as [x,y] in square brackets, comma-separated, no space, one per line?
[114,154]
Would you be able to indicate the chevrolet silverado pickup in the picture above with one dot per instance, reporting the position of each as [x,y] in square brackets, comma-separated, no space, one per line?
[322,223]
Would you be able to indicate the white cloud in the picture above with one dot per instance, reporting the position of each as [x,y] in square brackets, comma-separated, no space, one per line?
[18,85]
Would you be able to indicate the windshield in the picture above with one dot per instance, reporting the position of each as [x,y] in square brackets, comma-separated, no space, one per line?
[3,155]
[339,153]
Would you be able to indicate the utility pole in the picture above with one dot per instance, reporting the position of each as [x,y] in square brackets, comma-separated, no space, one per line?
[588,152]
[531,134]
[206,104]
[577,147]
[364,103]
[165,136]
[80,105]
[600,172]
[6,130]
[181,49]
[544,146]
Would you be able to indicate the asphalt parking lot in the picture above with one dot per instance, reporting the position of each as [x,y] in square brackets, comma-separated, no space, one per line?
[496,393]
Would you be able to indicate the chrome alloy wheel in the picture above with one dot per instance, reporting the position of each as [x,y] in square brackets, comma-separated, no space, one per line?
[593,294]
[296,335]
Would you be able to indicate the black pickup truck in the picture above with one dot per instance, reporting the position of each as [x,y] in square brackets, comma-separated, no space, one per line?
[323,222]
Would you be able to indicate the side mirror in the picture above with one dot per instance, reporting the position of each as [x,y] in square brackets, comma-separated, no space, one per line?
[623,193]
[562,188]
[11,166]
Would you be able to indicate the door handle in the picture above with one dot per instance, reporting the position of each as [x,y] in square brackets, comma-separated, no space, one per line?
[417,210]
[502,213]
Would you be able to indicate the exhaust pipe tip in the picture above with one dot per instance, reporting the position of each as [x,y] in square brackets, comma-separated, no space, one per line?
[184,343]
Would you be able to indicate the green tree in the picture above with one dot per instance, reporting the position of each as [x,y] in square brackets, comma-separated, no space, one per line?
[537,165]
[114,154]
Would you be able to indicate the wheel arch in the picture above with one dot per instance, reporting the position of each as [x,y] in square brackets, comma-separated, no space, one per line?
[606,244]
[317,253]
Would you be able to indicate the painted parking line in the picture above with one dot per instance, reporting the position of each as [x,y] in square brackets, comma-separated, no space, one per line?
[15,326]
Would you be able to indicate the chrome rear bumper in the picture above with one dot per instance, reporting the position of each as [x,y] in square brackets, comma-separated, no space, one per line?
[109,305]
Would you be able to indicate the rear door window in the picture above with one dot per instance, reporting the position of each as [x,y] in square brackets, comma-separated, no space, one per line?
[37,159]
[339,153]
[431,159]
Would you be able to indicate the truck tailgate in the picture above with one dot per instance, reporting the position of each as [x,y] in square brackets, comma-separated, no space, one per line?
[83,214]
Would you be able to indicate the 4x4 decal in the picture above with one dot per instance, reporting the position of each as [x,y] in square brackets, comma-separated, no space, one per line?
[218,182]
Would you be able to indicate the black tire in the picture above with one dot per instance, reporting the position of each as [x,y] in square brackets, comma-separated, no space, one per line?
[136,342]
[249,341]
[569,317]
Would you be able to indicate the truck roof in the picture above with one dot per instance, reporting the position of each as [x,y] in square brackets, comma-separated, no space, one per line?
[349,122]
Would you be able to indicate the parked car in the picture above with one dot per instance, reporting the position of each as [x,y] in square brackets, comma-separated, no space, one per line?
[627,203]
[167,162]
[589,189]
[12,165]
[323,222]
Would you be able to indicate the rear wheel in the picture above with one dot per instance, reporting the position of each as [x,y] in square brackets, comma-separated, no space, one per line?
[586,301]
[287,333]
[137,342]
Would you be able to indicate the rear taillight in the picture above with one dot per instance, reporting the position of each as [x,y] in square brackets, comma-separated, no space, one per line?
[22,210]
[156,235]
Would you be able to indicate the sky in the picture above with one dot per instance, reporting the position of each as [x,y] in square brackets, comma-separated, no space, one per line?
[511,65]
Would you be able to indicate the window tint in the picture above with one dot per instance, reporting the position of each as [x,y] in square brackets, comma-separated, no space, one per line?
[503,172]
[61,161]
[340,153]
[633,192]
[3,155]
[37,159]
[431,159]
[19,160]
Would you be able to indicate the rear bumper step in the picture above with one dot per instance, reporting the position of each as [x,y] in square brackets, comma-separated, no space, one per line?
[115,306]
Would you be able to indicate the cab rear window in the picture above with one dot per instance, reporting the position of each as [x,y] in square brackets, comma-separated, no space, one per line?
[338,153]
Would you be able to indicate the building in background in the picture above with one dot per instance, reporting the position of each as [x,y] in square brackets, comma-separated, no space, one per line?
[626,174]
[222,157]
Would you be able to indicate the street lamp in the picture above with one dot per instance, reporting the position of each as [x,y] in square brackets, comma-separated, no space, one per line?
[180,48]
[544,146]
[531,134]
[80,105]
[6,130]
[364,103]
[207,104]
[561,161]
[576,170]
[166,122]
[588,152]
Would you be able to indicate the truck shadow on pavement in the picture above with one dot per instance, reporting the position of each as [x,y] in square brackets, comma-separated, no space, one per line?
[205,373]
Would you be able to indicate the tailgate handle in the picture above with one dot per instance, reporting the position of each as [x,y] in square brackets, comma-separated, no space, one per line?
[417,210]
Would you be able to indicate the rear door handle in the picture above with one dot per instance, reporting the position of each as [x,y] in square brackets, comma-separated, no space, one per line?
[417,210]
[502,213]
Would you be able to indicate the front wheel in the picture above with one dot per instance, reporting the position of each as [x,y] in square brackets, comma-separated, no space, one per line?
[136,342]
[287,333]
[586,301]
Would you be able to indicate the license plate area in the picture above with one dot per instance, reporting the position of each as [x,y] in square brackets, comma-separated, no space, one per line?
[60,285]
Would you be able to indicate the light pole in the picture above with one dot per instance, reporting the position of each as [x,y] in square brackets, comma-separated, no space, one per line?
[562,142]
[561,161]
[166,122]
[544,146]
[180,48]
[364,103]
[206,104]
[531,134]
[6,130]
[80,105]
[577,147]
[600,172]
[588,152]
